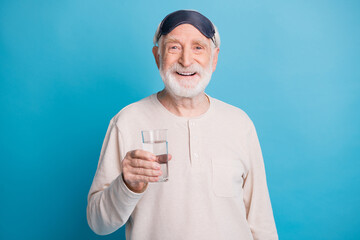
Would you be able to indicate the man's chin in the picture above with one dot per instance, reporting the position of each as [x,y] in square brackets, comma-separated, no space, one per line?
[183,92]
[188,82]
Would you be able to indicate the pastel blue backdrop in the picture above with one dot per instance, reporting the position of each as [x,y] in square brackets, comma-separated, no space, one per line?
[67,67]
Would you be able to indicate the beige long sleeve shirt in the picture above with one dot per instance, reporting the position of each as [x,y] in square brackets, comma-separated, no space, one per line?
[217,185]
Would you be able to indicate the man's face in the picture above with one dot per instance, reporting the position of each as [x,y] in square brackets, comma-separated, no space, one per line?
[186,61]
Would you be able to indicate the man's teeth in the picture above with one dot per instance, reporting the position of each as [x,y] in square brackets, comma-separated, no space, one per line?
[186,74]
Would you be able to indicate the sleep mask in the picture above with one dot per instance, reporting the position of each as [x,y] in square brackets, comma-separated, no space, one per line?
[194,18]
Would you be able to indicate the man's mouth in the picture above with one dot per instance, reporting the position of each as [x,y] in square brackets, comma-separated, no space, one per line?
[186,74]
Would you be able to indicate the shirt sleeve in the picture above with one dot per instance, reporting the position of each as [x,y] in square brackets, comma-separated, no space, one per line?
[256,196]
[110,202]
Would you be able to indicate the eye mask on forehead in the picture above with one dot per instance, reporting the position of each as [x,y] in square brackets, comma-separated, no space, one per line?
[194,18]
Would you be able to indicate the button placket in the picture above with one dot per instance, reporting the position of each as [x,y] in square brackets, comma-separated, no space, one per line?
[194,150]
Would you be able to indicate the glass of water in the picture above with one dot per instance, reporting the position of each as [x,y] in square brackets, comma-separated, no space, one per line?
[155,141]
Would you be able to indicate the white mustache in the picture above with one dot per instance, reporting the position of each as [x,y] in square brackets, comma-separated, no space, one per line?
[176,67]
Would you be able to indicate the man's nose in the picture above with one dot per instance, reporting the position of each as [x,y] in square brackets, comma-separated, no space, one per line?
[186,58]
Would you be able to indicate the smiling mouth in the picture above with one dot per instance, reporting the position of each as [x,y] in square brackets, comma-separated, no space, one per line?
[186,74]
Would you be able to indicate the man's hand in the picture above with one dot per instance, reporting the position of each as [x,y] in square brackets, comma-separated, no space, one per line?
[139,168]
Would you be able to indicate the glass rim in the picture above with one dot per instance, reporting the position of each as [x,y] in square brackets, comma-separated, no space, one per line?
[154,130]
[154,135]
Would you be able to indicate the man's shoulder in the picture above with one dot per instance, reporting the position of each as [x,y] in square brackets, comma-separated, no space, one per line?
[135,109]
[227,110]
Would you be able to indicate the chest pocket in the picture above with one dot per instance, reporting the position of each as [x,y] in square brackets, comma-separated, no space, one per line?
[227,177]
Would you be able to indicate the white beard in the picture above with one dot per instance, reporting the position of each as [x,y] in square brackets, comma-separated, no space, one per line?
[184,88]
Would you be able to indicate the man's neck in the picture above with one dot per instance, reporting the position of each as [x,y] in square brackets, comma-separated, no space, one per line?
[184,107]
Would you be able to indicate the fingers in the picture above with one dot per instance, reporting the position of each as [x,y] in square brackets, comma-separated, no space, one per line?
[143,163]
[146,172]
[140,166]
[141,154]
[140,163]
[135,179]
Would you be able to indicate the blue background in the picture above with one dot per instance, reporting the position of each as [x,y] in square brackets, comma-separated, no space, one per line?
[67,67]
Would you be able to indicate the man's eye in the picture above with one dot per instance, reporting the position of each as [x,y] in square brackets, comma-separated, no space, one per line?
[198,48]
[174,47]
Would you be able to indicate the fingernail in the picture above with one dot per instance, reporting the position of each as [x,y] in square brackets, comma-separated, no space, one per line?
[157,166]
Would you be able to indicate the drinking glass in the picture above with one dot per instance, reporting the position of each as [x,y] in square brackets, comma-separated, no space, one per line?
[155,141]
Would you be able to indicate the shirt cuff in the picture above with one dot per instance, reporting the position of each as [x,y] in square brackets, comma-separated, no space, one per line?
[125,190]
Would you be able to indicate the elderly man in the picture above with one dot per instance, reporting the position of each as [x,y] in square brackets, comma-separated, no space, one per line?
[217,187]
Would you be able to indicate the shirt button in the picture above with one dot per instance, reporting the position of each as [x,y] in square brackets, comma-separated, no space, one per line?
[196,155]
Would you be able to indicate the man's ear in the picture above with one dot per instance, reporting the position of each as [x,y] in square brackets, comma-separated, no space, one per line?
[215,58]
[156,55]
